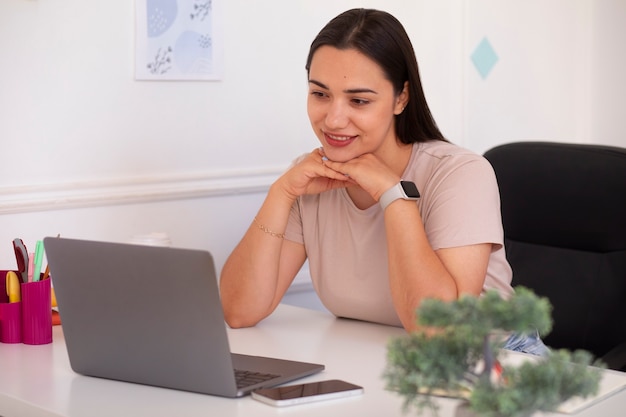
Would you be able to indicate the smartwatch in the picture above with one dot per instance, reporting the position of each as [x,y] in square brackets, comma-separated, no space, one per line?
[405,190]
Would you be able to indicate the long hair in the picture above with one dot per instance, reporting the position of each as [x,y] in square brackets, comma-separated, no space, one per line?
[381,37]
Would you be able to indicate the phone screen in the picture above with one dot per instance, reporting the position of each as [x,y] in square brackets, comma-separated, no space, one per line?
[301,393]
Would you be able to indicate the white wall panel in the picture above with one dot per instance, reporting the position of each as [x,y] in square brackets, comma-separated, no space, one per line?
[538,88]
[211,216]
[608,63]
[68,98]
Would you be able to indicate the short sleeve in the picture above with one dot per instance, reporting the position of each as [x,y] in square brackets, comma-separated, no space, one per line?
[462,203]
[294,230]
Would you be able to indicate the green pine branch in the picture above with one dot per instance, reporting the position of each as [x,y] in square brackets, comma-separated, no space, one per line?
[470,337]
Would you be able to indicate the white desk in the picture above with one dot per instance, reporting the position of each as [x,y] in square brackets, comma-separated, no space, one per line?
[37,380]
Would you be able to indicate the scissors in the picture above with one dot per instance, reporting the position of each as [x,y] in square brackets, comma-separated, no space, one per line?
[21,254]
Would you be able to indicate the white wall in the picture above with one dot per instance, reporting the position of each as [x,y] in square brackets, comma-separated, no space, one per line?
[90,152]
[608,61]
[557,77]
[537,88]
[68,90]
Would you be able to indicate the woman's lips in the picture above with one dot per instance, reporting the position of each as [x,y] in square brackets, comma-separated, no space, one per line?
[338,140]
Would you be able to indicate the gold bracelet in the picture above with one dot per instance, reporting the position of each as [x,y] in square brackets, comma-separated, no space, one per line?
[268,231]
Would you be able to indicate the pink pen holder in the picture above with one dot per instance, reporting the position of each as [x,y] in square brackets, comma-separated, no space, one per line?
[10,316]
[36,312]
[11,322]
[4,298]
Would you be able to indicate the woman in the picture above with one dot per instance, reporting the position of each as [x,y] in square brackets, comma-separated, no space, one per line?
[351,207]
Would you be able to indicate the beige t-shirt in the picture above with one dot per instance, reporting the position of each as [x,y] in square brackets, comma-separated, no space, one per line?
[347,249]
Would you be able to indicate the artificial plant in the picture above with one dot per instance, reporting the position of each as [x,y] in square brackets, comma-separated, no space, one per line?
[457,353]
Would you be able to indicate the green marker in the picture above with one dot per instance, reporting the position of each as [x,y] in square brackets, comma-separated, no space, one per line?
[38,259]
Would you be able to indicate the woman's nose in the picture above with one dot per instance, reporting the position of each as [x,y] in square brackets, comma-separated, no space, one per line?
[337,115]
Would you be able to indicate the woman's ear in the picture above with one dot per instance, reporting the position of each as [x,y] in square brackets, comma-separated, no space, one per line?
[402,100]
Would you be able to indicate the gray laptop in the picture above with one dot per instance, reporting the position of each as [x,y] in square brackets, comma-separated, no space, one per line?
[152,315]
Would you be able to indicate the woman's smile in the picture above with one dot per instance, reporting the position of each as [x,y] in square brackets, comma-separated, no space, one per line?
[339,140]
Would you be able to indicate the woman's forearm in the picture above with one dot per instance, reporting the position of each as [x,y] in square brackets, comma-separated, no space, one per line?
[249,281]
[415,270]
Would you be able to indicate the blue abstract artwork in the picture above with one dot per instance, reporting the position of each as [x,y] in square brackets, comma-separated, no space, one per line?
[484,58]
[177,40]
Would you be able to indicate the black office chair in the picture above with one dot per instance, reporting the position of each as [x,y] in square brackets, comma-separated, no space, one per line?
[564,216]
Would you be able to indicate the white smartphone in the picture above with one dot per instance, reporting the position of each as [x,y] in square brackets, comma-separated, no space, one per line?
[306,393]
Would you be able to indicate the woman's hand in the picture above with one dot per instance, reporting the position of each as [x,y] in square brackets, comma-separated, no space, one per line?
[312,175]
[368,172]
[260,269]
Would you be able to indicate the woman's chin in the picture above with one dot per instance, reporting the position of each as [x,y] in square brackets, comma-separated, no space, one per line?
[336,156]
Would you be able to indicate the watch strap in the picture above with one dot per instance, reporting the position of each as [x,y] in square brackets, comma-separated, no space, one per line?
[394,193]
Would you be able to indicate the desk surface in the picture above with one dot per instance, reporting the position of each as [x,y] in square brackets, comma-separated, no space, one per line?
[38,381]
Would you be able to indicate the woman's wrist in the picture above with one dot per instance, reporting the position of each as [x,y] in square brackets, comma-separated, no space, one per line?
[267,230]
[280,193]
[273,214]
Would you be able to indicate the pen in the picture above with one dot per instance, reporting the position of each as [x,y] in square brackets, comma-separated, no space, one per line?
[38,259]
[13,287]
[46,273]
[31,261]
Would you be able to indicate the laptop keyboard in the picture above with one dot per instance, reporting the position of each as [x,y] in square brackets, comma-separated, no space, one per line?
[247,378]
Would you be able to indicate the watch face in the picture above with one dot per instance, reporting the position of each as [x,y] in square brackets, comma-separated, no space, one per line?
[410,189]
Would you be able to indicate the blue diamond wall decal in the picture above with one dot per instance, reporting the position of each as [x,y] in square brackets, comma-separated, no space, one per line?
[484,58]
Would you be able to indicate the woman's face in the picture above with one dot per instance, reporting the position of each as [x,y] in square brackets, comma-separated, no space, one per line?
[351,105]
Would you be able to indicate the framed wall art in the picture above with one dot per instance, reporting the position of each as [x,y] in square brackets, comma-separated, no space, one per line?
[178,40]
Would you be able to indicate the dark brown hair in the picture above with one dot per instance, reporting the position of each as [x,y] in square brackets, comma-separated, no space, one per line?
[381,37]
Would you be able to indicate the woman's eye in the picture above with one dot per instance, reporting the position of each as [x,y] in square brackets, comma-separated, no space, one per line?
[318,94]
[360,101]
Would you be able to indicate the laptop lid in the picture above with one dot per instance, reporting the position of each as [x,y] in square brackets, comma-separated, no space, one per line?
[150,315]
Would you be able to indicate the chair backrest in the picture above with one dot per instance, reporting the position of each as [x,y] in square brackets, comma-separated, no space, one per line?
[564,217]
